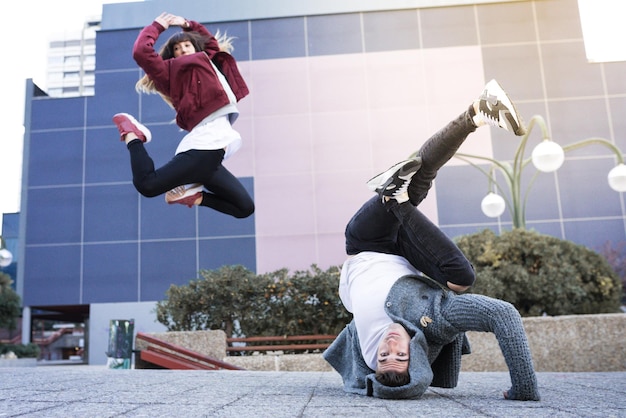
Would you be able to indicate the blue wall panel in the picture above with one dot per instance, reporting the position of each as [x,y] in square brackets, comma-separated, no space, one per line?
[114,50]
[56,158]
[460,190]
[106,157]
[110,213]
[399,28]
[215,253]
[53,275]
[51,113]
[54,216]
[161,221]
[164,263]
[595,233]
[241,37]
[586,181]
[110,273]
[115,92]
[152,108]
[278,38]
[324,33]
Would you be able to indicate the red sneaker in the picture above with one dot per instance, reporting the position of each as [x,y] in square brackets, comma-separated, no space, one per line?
[126,124]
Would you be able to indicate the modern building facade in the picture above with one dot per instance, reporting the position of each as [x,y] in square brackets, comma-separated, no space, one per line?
[339,92]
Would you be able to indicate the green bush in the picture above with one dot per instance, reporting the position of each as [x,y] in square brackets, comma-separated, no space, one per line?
[303,303]
[536,273]
[216,301]
[615,254]
[10,310]
[241,303]
[30,350]
[10,302]
[541,274]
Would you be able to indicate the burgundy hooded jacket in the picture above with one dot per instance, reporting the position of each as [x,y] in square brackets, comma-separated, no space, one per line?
[190,81]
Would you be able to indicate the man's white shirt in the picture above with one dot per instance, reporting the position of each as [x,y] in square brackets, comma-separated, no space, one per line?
[365,281]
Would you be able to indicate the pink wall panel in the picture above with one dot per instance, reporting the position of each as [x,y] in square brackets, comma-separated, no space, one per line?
[395,79]
[338,196]
[337,83]
[397,133]
[453,75]
[245,105]
[331,249]
[341,141]
[284,205]
[279,87]
[320,127]
[283,144]
[242,163]
[295,252]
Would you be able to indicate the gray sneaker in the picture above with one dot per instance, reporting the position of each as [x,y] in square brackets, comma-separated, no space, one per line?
[395,181]
[496,109]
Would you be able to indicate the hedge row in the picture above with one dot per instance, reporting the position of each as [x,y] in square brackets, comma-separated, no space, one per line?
[538,274]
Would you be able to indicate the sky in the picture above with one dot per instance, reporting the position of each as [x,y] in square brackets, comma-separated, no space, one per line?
[602,23]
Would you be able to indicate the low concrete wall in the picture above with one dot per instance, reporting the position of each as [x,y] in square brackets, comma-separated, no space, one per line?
[574,343]
[208,343]
[281,362]
[18,362]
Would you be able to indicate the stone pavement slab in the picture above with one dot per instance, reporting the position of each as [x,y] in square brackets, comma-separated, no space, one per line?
[95,391]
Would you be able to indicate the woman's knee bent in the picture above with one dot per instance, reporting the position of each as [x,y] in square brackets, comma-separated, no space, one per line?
[147,190]
[245,211]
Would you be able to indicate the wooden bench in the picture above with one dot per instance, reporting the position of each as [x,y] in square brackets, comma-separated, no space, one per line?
[290,344]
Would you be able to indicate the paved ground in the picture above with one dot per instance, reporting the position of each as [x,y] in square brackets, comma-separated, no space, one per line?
[95,391]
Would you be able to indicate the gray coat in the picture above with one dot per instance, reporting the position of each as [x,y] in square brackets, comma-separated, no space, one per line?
[436,319]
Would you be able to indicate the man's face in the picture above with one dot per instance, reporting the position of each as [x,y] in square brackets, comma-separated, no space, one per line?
[393,350]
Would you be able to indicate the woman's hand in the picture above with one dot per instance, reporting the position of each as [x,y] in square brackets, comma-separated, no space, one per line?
[167,19]
[163,19]
[178,21]
[457,287]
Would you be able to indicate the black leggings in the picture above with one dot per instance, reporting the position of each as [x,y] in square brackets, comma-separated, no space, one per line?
[226,193]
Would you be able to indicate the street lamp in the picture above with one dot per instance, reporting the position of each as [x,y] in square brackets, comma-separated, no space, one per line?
[547,157]
[5,255]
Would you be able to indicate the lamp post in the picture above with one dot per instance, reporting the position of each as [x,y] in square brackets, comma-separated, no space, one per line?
[5,255]
[547,157]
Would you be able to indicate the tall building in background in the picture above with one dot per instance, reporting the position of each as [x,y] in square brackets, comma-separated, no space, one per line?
[72,62]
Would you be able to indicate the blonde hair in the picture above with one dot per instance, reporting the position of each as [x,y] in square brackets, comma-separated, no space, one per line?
[225,42]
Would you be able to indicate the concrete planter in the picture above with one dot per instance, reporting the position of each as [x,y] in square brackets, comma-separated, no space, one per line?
[570,343]
[18,362]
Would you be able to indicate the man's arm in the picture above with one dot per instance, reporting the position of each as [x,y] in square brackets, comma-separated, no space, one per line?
[472,312]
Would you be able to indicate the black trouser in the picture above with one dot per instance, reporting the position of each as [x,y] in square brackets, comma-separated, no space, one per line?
[226,193]
[401,229]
